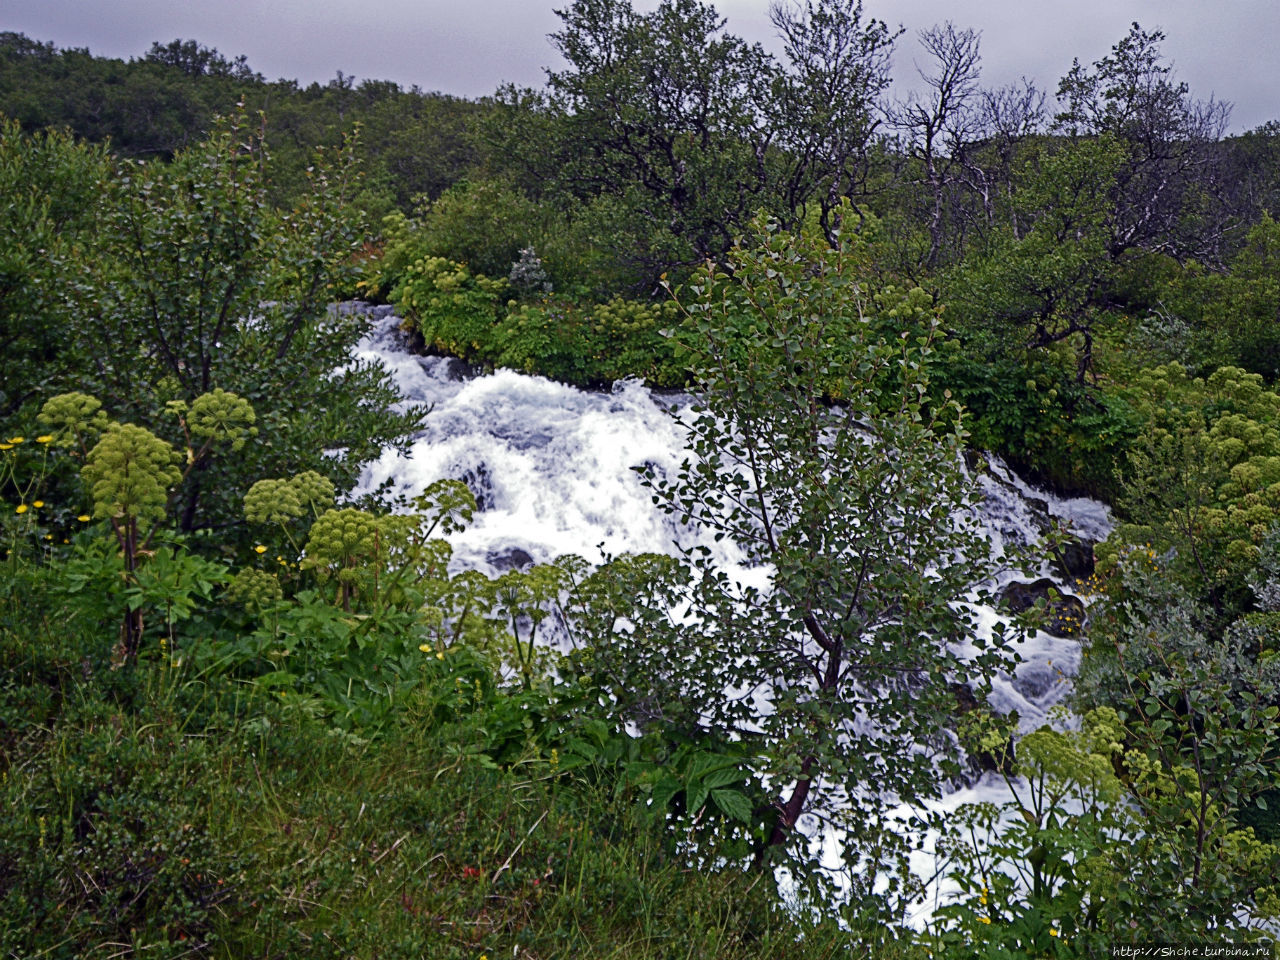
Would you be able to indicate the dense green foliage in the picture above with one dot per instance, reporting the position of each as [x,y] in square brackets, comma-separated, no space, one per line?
[326,753]
[243,715]
[179,281]
[166,100]
[49,183]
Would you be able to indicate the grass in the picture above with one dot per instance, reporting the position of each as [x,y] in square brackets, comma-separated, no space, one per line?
[160,816]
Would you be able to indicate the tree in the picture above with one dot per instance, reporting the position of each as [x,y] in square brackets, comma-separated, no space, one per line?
[198,285]
[818,454]
[826,108]
[1233,314]
[663,109]
[941,123]
[1170,168]
[196,60]
[672,134]
[1043,279]
[50,184]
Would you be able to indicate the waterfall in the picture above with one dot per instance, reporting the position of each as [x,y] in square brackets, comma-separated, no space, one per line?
[553,471]
[552,468]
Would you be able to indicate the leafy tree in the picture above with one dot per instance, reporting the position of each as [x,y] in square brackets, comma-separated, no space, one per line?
[1044,279]
[1232,315]
[674,133]
[817,452]
[197,60]
[825,110]
[1170,166]
[198,285]
[49,183]
[664,107]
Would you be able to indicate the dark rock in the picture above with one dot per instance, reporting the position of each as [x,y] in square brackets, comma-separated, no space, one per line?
[513,558]
[1063,614]
[453,370]
[1074,559]
[1039,510]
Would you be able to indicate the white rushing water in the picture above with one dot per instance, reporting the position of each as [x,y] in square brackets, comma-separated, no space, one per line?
[553,470]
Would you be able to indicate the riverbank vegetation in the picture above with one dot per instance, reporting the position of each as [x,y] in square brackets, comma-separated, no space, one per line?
[246,715]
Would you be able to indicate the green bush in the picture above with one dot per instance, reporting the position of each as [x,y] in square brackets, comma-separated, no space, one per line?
[1203,479]
[51,185]
[451,308]
[236,297]
[591,344]
[1033,413]
[482,223]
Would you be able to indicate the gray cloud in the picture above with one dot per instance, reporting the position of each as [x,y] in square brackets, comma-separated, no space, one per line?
[470,47]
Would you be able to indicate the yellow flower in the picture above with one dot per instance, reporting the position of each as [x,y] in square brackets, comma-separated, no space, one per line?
[984,920]
[22,508]
[84,518]
[37,504]
[16,440]
[6,446]
[425,647]
[439,654]
[1053,932]
[45,438]
[259,549]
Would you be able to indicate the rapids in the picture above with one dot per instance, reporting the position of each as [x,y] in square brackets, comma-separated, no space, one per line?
[553,470]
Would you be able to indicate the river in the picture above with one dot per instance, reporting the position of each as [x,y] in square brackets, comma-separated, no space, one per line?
[553,471]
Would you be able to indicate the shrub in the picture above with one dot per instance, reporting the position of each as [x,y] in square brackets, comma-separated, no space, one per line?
[453,309]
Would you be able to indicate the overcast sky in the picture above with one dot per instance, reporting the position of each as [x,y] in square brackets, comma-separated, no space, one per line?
[468,47]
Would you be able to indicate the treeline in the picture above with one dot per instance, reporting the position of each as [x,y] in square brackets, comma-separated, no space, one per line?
[150,107]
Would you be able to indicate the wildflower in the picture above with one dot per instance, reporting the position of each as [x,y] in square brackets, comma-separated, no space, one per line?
[22,508]
[16,440]
[37,504]
[439,654]
[259,549]
[984,919]
[84,518]
[45,438]
[1053,932]
[425,647]
[6,446]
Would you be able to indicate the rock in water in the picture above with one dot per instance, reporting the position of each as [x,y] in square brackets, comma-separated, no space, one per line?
[1064,614]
